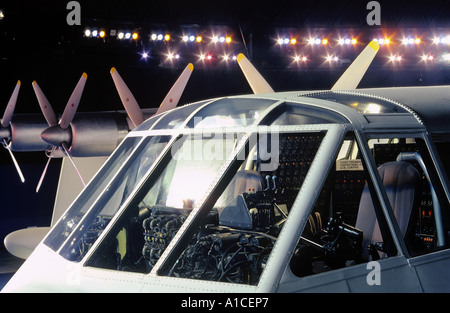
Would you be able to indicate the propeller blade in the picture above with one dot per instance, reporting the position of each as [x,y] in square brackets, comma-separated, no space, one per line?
[7,116]
[5,144]
[72,104]
[254,78]
[45,170]
[127,98]
[66,150]
[353,75]
[46,108]
[173,97]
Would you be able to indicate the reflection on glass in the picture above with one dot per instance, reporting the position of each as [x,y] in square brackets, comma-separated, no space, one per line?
[85,226]
[68,222]
[162,204]
[230,112]
[237,234]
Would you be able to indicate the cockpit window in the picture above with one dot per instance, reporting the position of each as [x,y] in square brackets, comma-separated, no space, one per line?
[82,204]
[87,219]
[175,118]
[234,240]
[165,200]
[346,226]
[241,196]
[230,112]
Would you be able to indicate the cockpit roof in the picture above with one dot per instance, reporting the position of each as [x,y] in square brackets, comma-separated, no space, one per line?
[364,108]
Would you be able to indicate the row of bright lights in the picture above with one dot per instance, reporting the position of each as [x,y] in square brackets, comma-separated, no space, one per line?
[201,57]
[301,58]
[314,41]
[102,34]
[191,38]
[154,37]
[353,41]
[391,58]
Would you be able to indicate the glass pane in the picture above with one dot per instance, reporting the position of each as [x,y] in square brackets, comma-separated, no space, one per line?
[237,233]
[231,112]
[89,226]
[70,220]
[154,215]
[343,228]
[177,117]
[406,169]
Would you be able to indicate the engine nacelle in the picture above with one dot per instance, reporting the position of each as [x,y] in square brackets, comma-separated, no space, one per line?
[26,132]
[95,134]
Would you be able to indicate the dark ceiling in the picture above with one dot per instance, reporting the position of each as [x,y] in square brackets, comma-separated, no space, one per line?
[37,44]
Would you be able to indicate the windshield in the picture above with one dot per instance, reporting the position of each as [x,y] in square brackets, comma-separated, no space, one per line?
[165,200]
[235,191]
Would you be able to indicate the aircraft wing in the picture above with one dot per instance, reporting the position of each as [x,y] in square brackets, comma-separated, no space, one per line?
[173,97]
[354,73]
[257,82]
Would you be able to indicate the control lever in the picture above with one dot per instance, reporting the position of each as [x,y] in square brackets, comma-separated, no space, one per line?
[268,182]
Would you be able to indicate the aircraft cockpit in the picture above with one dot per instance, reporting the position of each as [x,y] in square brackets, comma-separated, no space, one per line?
[261,191]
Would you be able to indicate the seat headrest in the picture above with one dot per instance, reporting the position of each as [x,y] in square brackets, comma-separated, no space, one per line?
[247,180]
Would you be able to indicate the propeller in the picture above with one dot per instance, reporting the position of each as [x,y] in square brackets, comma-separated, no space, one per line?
[58,134]
[348,81]
[129,101]
[257,82]
[173,96]
[170,101]
[5,129]
[354,73]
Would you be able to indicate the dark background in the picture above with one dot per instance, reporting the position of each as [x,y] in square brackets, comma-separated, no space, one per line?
[36,43]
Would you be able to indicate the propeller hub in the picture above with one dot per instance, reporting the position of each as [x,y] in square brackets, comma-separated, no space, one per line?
[54,135]
[5,132]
